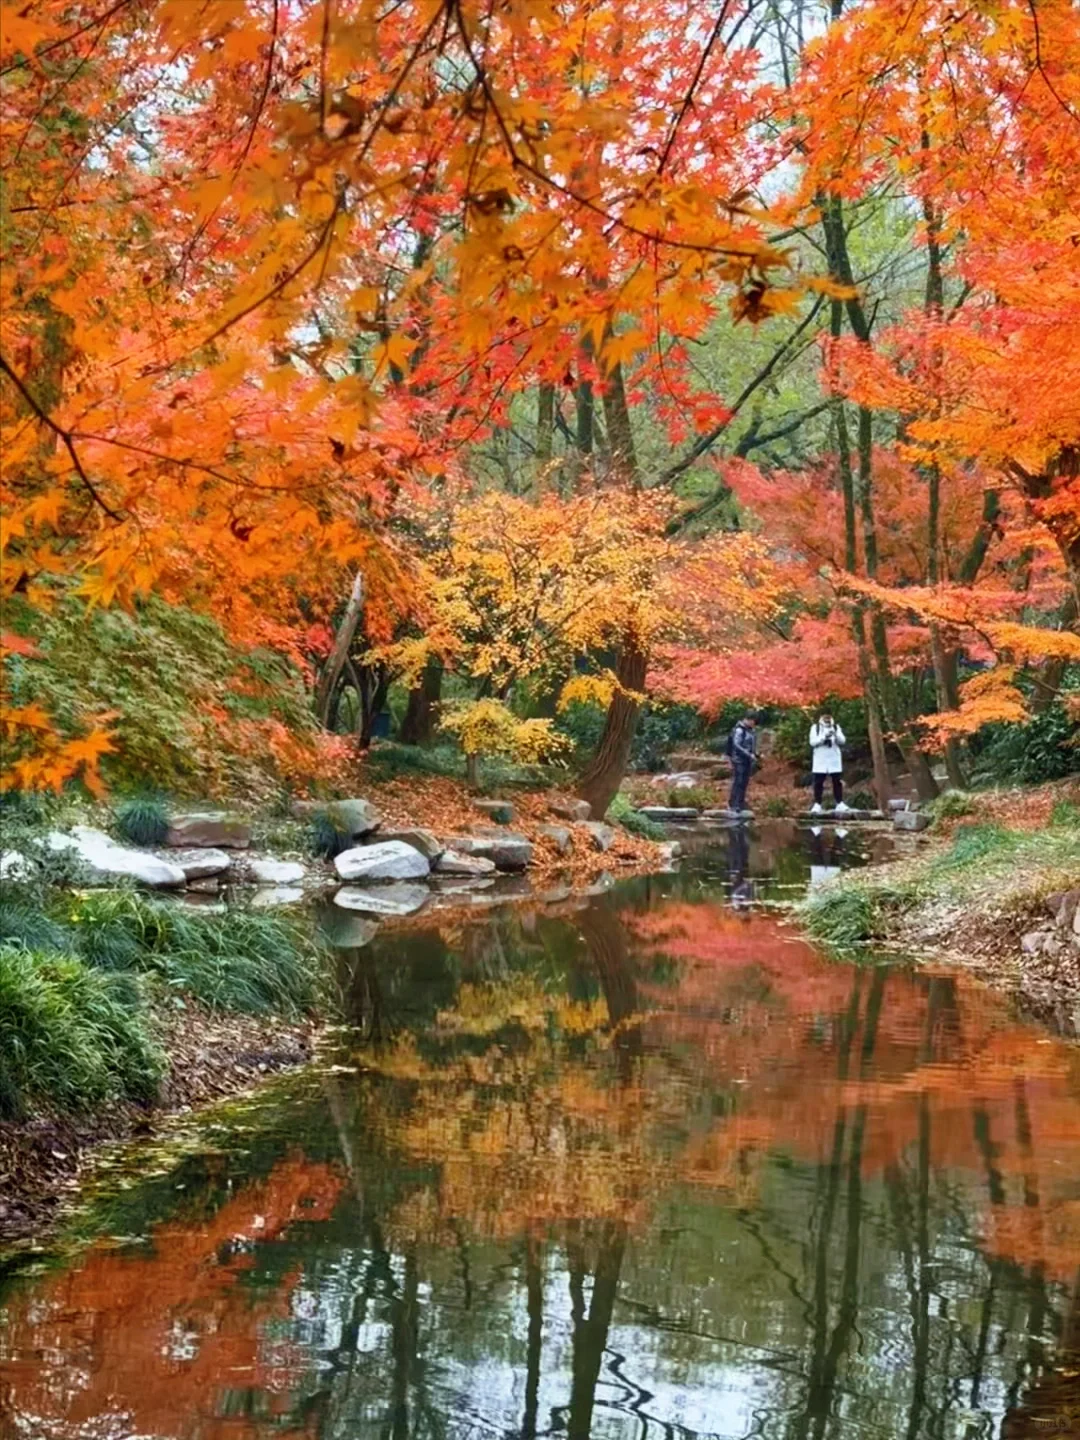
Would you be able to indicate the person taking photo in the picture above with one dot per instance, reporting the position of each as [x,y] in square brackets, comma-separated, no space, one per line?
[827,741]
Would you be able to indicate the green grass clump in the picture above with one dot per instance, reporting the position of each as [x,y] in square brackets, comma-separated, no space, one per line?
[777,806]
[326,838]
[1065,815]
[243,960]
[142,820]
[952,805]
[693,797]
[70,1036]
[844,916]
[621,812]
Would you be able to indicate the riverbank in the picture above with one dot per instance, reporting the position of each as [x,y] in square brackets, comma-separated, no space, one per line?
[995,887]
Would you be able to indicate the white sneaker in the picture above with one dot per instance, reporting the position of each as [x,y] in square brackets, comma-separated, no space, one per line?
[842,809]
[815,810]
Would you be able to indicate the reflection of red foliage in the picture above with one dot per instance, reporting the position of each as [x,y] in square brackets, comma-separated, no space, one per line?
[768,1012]
[155,1341]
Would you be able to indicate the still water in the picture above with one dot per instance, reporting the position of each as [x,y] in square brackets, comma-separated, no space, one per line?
[645,1166]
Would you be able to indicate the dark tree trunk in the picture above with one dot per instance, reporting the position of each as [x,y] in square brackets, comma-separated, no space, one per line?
[545,423]
[339,653]
[418,722]
[602,776]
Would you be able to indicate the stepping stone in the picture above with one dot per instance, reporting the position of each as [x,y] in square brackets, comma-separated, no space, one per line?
[670,814]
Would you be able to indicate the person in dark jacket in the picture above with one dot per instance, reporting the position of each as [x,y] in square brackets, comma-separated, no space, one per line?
[743,760]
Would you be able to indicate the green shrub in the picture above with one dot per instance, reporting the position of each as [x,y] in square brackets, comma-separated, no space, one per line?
[791,733]
[1065,815]
[621,812]
[693,796]
[951,805]
[70,1036]
[326,839]
[1047,747]
[142,820]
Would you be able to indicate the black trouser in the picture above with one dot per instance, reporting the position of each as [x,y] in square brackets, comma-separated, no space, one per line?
[740,779]
[837,788]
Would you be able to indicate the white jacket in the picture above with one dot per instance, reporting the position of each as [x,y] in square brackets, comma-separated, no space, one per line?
[827,758]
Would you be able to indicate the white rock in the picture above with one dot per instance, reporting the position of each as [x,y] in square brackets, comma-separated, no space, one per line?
[390,900]
[109,861]
[276,872]
[386,860]
[271,896]
[14,865]
[199,864]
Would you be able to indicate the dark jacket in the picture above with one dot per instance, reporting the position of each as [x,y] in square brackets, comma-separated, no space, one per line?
[743,745]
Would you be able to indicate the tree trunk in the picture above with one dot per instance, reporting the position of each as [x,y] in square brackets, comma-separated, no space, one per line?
[335,662]
[418,722]
[472,770]
[619,431]
[601,777]
[545,423]
[374,686]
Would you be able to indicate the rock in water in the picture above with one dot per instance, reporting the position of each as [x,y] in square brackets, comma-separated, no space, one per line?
[108,861]
[209,827]
[423,840]
[199,864]
[602,836]
[508,851]
[277,872]
[453,862]
[387,900]
[911,820]
[270,896]
[385,860]
[499,812]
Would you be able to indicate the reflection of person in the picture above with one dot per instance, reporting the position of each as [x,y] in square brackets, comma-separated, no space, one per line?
[826,857]
[826,741]
[742,887]
[743,760]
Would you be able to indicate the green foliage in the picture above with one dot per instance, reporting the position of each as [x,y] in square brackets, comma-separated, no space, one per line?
[621,812]
[1065,815]
[951,805]
[187,703]
[694,796]
[244,960]
[977,842]
[840,917]
[777,805]
[1047,747]
[142,820]
[326,839]
[661,729]
[390,760]
[70,1036]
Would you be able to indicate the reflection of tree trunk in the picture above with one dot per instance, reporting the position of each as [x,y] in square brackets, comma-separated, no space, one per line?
[534,1289]
[360,992]
[418,722]
[404,1331]
[606,940]
[604,772]
[591,1332]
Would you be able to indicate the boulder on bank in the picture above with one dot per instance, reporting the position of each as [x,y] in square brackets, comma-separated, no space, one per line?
[205,828]
[385,860]
[911,821]
[390,900]
[499,812]
[567,807]
[601,835]
[107,861]
[423,840]
[508,851]
[355,818]
[559,835]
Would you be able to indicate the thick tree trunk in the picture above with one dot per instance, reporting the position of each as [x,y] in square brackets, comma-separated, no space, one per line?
[335,662]
[619,432]
[1052,672]
[600,780]
[418,722]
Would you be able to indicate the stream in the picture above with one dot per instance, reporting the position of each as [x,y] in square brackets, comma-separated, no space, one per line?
[644,1165]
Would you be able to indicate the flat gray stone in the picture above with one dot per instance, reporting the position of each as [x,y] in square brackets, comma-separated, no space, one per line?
[385,860]
[507,851]
[602,836]
[500,812]
[277,872]
[107,861]
[199,864]
[205,828]
[910,820]
[269,897]
[423,840]
[453,862]
[560,836]
[568,807]
[670,814]
[387,900]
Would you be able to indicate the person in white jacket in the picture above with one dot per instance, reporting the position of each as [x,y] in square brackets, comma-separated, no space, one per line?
[827,741]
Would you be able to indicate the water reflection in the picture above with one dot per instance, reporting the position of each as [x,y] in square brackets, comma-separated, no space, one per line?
[648,1167]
